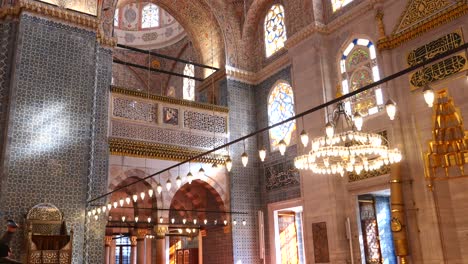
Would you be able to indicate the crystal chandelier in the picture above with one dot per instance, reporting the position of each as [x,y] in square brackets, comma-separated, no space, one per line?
[346,151]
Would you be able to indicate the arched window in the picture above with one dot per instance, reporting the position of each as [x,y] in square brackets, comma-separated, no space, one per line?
[116,18]
[337,4]
[150,16]
[281,107]
[275,30]
[122,250]
[189,84]
[359,68]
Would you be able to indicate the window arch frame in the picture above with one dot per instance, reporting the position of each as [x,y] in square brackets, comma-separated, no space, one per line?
[335,8]
[273,141]
[283,38]
[346,73]
[188,82]
[158,16]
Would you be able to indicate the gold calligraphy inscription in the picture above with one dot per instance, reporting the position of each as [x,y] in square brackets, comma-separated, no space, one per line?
[430,50]
[438,71]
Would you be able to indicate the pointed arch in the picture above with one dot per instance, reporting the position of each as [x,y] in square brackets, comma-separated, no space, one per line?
[274,30]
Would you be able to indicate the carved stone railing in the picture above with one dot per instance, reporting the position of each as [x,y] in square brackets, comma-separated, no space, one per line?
[164,127]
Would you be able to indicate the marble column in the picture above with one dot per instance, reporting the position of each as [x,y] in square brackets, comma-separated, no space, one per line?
[148,244]
[133,250]
[107,245]
[141,254]
[160,250]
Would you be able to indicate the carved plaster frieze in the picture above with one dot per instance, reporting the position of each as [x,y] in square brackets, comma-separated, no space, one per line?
[133,148]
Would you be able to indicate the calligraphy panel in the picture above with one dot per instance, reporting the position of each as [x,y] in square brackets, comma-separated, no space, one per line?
[320,238]
[438,71]
[281,175]
[430,50]
[83,6]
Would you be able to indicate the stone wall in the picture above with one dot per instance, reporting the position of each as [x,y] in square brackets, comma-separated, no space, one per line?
[56,148]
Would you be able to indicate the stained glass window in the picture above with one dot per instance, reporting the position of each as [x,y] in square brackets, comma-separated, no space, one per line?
[281,107]
[359,68]
[116,18]
[189,84]
[150,16]
[337,4]
[275,30]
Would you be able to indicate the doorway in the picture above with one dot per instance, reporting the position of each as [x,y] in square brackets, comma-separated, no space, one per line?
[289,244]
[376,239]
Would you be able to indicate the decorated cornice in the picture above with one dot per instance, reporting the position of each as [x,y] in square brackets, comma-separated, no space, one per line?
[46,10]
[258,77]
[218,75]
[171,100]
[133,148]
[418,29]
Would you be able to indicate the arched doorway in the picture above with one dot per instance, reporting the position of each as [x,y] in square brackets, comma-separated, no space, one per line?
[201,202]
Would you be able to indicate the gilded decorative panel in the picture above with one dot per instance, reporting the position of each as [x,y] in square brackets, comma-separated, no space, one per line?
[170,116]
[135,110]
[438,71]
[83,6]
[430,50]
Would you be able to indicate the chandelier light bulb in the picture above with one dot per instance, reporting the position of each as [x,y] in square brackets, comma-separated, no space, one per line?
[89,213]
[168,184]
[123,218]
[127,200]
[194,230]
[109,206]
[201,173]
[180,231]
[244,222]
[150,193]
[159,188]
[225,222]
[161,219]
[304,138]
[188,230]
[390,106]
[96,217]
[262,153]
[245,159]
[104,208]
[234,222]
[184,221]
[172,220]
[98,210]
[121,202]
[136,219]
[135,198]
[228,163]
[428,95]
[94,211]
[189,177]
[358,121]
[215,222]
[282,147]
[178,181]
[205,221]
[195,221]
[115,204]
[329,129]
[142,195]
[149,220]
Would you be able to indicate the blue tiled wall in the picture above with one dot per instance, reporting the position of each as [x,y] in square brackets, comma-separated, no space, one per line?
[56,148]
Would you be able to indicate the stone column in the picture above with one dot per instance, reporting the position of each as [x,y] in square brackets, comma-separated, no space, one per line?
[141,254]
[133,250]
[148,245]
[107,245]
[160,244]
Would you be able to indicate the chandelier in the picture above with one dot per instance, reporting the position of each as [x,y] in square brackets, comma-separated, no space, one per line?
[347,151]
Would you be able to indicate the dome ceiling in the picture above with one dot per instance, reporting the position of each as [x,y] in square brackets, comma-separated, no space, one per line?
[146,25]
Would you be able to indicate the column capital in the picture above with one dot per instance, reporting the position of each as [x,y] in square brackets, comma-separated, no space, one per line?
[107,241]
[141,233]
[133,241]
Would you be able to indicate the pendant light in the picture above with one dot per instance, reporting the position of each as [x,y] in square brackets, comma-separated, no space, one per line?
[161,219]
[127,200]
[304,136]
[150,193]
[121,202]
[178,181]
[136,219]
[201,173]
[358,120]
[168,184]
[282,147]
[195,221]
[149,220]
[109,206]
[115,205]
[159,188]
[244,157]
[390,106]
[142,195]
[189,175]
[329,130]
[228,163]
[429,96]
[104,208]
[262,153]
[135,198]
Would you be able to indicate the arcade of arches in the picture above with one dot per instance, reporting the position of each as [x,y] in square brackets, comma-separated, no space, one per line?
[102,104]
